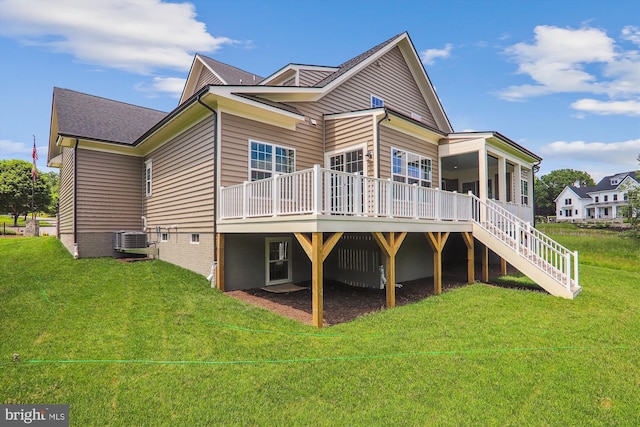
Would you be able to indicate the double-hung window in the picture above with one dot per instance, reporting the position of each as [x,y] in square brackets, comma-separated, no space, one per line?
[269,159]
[410,168]
[524,192]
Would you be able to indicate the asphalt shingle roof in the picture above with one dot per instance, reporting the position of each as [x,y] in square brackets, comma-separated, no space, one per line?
[351,63]
[605,183]
[92,117]
[233,76]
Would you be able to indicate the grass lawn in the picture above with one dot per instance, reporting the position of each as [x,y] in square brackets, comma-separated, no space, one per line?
[151,344]
[6,219]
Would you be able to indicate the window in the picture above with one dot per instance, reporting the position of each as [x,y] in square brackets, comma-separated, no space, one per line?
[410,168]
[606,198]
[376,102]
[560,213]
[576,211]
[349,161]
[164,237]
[567,201]
[278,260]
[148,175]
[268,159]
[195,238]
[615,197]
[597,199]
[524,191]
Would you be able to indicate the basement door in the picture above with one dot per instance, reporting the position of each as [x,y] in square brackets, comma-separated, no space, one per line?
[278,260]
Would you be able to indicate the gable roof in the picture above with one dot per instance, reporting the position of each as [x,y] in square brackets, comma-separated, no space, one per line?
[84,116]
[229,74]
[605,183]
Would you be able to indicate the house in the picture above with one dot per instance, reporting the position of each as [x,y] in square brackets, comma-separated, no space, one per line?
[350,172]
[602,202]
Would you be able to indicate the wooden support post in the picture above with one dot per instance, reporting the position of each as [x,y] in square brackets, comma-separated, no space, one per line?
[437,241]
[317,279]
[220,260]
[485,264]
[503,267]
[390,245]
[468,241]
[317,250]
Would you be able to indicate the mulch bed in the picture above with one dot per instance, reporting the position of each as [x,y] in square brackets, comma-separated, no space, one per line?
[342,303]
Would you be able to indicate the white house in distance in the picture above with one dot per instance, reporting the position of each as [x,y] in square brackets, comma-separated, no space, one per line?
[602,202]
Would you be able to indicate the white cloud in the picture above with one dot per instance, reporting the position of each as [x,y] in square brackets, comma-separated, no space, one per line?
[618,153]
[428,56]
[586,60]
[628,108]
[133,35]
[632,34]
[9,148]
[171,85]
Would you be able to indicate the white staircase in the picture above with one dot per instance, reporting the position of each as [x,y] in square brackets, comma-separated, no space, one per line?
[542,259]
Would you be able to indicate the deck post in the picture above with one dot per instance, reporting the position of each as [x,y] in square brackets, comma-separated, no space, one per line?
[220,261]
[317,250]
[317,279]
[245,199]
[317,189]
[503,267]
[275,196]
[437,241]
[468,241]
[389,247]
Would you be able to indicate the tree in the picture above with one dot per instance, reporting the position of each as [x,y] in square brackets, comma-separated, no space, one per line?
[548,187]
[54,182]
[631,212]
[16,187]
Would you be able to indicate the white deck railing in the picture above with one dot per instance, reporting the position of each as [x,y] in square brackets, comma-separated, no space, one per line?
[535,246]
[328,192]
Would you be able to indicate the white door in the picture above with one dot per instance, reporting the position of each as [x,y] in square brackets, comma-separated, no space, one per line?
[342,187]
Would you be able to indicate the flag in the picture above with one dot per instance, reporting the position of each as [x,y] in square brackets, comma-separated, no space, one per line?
[34,156]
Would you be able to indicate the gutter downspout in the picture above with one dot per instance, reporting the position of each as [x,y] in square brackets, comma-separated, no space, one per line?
[215,186]
[385,117]
[76,255]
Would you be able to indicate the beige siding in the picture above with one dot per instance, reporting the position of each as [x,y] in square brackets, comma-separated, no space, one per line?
[393,138]
[392,81]
[289,82]
[237,131]
[207,78]
[66,191]
[341,134]
[311,77]
[109,190]
[183,171]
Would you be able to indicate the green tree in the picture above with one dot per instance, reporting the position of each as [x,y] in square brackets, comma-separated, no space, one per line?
[631,212]
[549,186]
[54,182]
[16,187]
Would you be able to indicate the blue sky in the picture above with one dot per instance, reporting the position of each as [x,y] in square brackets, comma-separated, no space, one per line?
[561,77]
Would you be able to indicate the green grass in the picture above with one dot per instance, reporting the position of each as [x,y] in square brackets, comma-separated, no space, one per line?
[602,248]
[151,344]
[6,219]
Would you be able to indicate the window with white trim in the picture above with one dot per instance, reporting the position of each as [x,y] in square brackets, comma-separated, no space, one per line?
[376,102]
[148,177]
[268,159]
[524,192]
[195,238]
[410,168]
[164,237]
